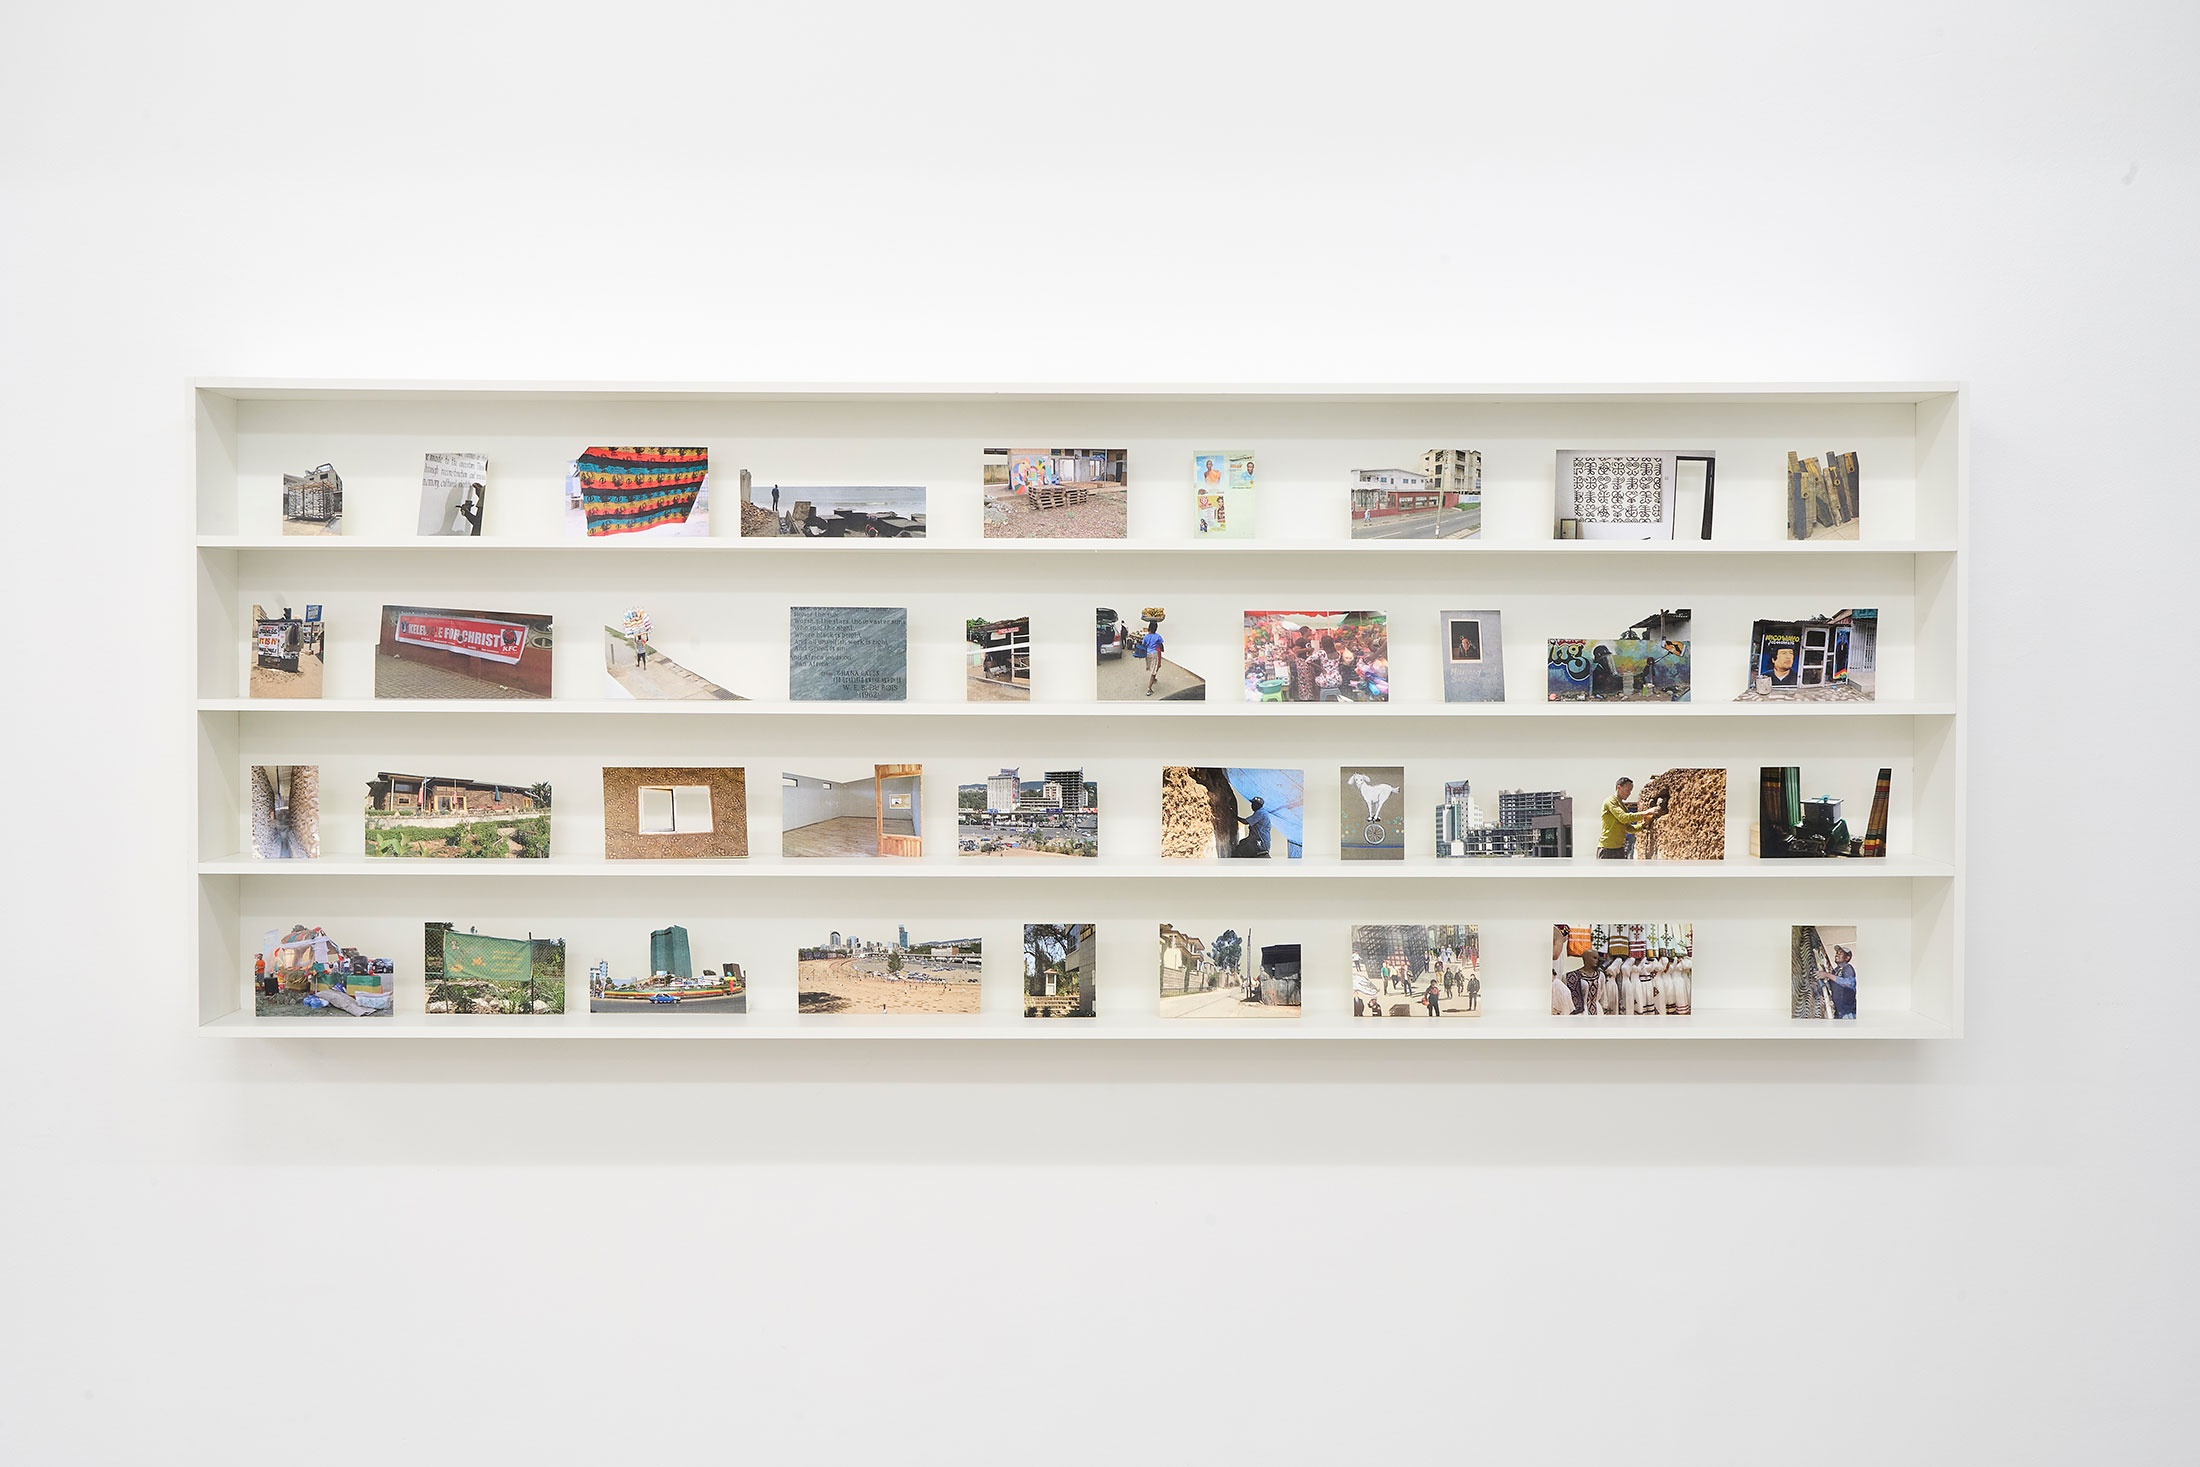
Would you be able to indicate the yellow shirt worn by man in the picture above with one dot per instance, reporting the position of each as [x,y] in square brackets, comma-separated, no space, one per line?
[1618,820]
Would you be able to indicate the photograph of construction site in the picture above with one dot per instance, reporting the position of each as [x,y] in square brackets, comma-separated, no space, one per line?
[1793,826]
[1622,967]
[1317,657]
[847,654]
[1647,663]
[313,502]
[1823,972]
[1529,823]
[286,812]
[675,814]
[443,652]
[807,512]
[286,654]
[670,983]
[1674,815]
[1056,814]
[1213,970]
[1438,499]
[1058,970]
[303,973]
[1411,971]
[1371,812]
[837,809]
[635,667]
[1210,814]
[874,973]
[472,973]
[997,666]
[1056,493]
[427,815]
[1474,656]
[1815,659]
[1132,660]
[1222,486]
[1824,503]
[638,493]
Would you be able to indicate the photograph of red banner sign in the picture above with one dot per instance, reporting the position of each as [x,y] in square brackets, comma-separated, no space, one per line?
[438,652]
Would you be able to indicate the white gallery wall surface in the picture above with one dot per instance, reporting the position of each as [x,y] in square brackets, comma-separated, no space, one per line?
[983,1251]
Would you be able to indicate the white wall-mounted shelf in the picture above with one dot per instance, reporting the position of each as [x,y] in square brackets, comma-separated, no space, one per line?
[1908,906]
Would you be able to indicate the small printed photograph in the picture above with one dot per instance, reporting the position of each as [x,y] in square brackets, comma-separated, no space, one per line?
[847,654]
[1056,813]
[1232,814]
[286,653]
[1371,812]
[1317,657]
[1647,663]
[1214,971]
[1441,499]
[313,502]
[1793,826]
[1222,485]
[880,972]
[1529,823]
[1056,493]
[1058,970]
[1407,972]
[652,493]
[1133,660]
[437,652]
[1824,972]
[1622,967]
[998,662]
[454,489]
[670,981]
[286,812]
[421,815]
[1818,659]
[1674,815]
[636,667]
[471,973]
[306,974]
[810,512]
[1474,656]
[660,814]
[851,809]
[1649,495]
[1824,503]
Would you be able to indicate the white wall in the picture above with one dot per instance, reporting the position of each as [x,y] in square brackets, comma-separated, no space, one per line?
[1825,1253]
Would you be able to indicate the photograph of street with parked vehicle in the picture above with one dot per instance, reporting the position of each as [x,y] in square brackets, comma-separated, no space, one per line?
[885,971]
[1215,970]
[1439,499]
[669,983]
[1133,661]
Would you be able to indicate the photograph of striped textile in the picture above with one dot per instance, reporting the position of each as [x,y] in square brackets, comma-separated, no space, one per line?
[659,492]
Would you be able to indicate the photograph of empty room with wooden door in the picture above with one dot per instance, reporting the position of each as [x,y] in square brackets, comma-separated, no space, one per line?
[837,809]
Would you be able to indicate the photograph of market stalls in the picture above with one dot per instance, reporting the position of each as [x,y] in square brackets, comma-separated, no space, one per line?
[1204,974]
[1058,970]
[471,973]
[433,816]
[1057,814]
[670,983]
[304,973]
[1056,493]
[1317,657]
[851,973]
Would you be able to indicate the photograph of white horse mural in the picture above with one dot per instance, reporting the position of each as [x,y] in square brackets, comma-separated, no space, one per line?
[1622,968]
[1371,812]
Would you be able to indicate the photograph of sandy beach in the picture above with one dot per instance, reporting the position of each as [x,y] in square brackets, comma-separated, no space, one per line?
[851,973]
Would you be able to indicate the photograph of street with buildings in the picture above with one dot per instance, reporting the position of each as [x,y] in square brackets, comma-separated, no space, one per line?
[1528,823]
[669,983]
[840,808]
[452,817]
[472,973]
[638,493]
[1212,970]
[878,971]
[286,653]
[1133,662]
[1056,493]
[997,666]
[1055,814]
[304,973]
[1412,971]
[1438,499]
[636,667]
[1058,970]
[1317,657]
[1823,972]
[1210,814]
[810,512]
[1622,967]
[286,812]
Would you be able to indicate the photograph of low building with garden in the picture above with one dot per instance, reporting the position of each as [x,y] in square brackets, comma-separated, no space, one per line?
[1056,813]
[1411,971]
[669,982]
[1440,498]
[1211,814]
[472,973]
[1317,657]
[874,972]
[1212,970]
[302,972]
[1058,970]
[1056,493]
[450,817]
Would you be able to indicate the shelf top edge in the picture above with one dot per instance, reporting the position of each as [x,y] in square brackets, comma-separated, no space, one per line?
[704,545]
[759,707]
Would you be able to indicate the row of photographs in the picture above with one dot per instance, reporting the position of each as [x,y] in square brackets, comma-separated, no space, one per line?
[861,653]
[846,809]
[1210,971]
[1082,493]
